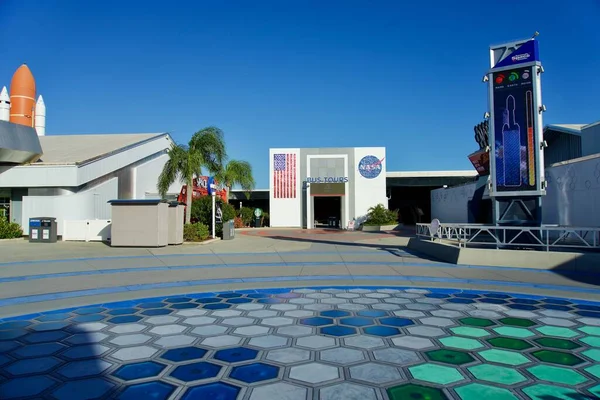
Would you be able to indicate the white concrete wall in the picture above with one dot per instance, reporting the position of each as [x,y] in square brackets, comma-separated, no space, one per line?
[285,213]
[368,192]
[89,204]
[146,178]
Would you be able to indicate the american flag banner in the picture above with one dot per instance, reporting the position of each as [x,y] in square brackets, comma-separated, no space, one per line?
[284,179]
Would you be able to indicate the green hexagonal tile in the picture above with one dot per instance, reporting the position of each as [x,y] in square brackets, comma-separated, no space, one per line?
[517,322]
[557,331]
[545,392]
[504,357]
[595,390]
[557,357]
[473,332]
[412,391]
[590,330]
[557,374]
[476,321]
[496,374]
[461,343]
[594,370]
[436,374]
[450,357]
[593,341]
[594,354]
[514,332]
[476,391]
[557,343]
[509,343]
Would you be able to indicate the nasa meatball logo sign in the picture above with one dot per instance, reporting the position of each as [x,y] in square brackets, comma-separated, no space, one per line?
[370,167]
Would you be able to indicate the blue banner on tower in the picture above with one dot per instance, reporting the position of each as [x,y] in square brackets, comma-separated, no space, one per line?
[528,52]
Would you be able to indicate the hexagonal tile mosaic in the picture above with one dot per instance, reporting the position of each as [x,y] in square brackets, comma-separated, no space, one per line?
[313,343]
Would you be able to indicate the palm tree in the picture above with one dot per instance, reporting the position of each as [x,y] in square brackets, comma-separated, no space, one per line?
[206,149]
[237,172]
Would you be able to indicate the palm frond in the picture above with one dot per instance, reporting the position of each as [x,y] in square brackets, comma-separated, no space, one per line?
[209,144]
[173,169]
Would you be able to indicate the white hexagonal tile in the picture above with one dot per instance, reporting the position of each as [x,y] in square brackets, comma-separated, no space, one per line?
[409,314]
[417,291]
[386,307]
[557,321]
[421,307]
[332,291]
[253,330]
[161,320]
[128,340]
[194,312]
[342,355]
[128,328]
[168,329]
[299,313]
[375,373]
[437,321]
[412,342]
[314,373]
[397,300]
[315,342]
[268,341]
[377,295]
[209,330]
[250,306]
[590,321]
[426,300]
[405,295]
[84,338]
[295,330]
[333,301]
[288,355]
[521,314]
[89,327]
[347,390]
[221,341]
[557,314]
[279,390]
[283,307]
[262,314]
[277,321]
[347,295]
[484,314]
[447,314]
[363,300]
[388,291]
[318,296]
[175,341]
[424,330]
[457,307]
[238,321]
[396,356]
[226,313]
[490,307]
[363,342]
[302,301]
[318,307]
[134,353]
[351,307]
[360,291]
[195,321]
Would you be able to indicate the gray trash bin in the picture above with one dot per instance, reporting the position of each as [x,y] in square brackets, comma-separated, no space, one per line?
[43,230]
[229,230]
[176,219]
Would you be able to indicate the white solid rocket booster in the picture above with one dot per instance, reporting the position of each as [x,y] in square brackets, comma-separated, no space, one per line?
[40,116]
[4,105]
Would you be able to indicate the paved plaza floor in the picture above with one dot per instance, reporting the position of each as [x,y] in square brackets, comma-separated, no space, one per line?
[288,315]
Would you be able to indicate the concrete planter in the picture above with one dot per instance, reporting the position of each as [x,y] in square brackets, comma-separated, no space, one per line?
[379,228]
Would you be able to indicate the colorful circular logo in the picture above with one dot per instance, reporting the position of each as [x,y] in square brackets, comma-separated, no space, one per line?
[370,167]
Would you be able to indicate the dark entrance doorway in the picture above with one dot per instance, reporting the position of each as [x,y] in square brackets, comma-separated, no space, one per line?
[327,211]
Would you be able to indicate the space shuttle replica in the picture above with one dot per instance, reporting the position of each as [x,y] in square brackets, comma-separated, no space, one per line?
[21,107]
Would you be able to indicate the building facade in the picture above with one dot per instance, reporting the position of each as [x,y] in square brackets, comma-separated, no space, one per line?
[310,187]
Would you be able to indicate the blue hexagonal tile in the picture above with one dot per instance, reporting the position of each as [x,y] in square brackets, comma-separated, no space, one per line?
[212,391]
[258,295]
[253,373]
[139,370]
[4,360]
[184,306]
[49,326]
[229,295]
[437,295]
[83,389]
[196,371]
[557,301]
[122,311]
[12,334]
[14,325]
[466,295]
[53,317]
[156,311]
[38,350]
[208,300]
[236,354]
[89,318]
[152,304]
[381,331]
[216,306]
[184,354]
[25,387]
[270,300]
[337,330]
[357,321]
[288,295]
[316,321]
[461,301]
[124,319]
[239,300]
[178,300]
[372,313]
[7,346]
[32,366]
[335,314]
[525,301]
[85,351]
[396,321]
[41,337]
[556,307]
[493,301]
[524,307]
[587,307]
[148,390]
[89,310]
[589,314]
[496,296]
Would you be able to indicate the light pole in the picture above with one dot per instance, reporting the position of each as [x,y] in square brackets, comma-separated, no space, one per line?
[213,194]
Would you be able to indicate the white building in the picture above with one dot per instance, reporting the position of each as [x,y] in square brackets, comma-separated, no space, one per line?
[308,186]
[78,174]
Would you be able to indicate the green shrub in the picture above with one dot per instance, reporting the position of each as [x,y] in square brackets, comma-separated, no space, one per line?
[195,232]
[202,212]
[10,230]
[379,215]
[247,214]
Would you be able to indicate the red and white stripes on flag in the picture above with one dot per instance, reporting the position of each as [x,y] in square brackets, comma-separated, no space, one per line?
[284,176]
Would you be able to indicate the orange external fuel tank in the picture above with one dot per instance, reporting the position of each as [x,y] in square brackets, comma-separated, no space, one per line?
[22,97]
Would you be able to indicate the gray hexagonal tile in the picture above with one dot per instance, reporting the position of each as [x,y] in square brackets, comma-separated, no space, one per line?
[268,341]
[128,340]
[417,291]
[85,368]
[437,321]
[396,356]
[288,356]
[363,342]
[85,351]
[127,328]
[295,330]
[332,291]
[447,314]
[397,300]
[209,330]
[161,320]
[347,295]
[194,312]
[484,314]
[315,342]
[375,373]
[304,290]
[318,296]
[424,330]
[351,307]
[318,307]
[409,314]
[377,295]
[221,341]
[238,321]
[342,355]
[280,391]
[83,338]
[346,390]
[283,307]
[412,342]
[202,320]
[405,295]
[557,314]
[388,291]
[421,307]
[314,373]
[360,291]
[134,353]
[521,314]
[557,321]
[277,321]
[430,301]
[299,313]
[250,306]
[262,314]
[302,301]
[333,301]
[457,307]
[168,329]
[386,307]
[226,313]
[590,321]
[253,330]
[364,300]
[88,327]
[490,307]
[175,341]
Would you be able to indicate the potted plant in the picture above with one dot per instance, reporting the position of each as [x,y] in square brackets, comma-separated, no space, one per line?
[380,218]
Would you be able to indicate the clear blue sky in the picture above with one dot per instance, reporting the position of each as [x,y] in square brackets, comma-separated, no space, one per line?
[401,74]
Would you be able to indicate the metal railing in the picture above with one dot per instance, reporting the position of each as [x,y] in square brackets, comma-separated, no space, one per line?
[546,237]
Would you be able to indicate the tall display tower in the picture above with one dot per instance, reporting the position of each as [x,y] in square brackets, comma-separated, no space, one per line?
[516,140]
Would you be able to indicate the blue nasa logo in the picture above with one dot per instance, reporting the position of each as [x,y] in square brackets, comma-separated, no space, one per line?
[370,167]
